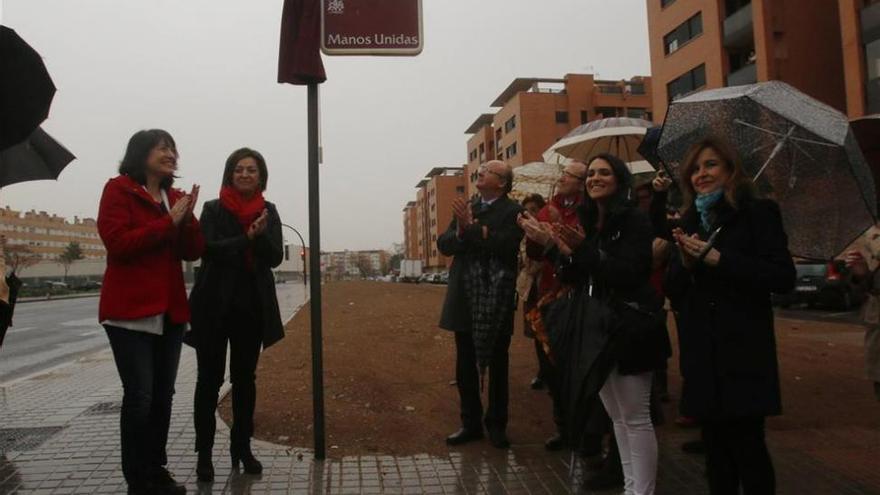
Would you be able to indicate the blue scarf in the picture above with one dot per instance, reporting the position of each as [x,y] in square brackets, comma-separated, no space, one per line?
[704,203]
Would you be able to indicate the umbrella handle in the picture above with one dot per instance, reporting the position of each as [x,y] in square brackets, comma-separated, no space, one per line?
[710,243]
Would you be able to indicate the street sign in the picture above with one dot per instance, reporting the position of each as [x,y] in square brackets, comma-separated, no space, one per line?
[371,27]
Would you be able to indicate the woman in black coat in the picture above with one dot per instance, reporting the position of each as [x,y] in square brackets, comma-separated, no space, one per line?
[234,301]
[612,251]
[722,290]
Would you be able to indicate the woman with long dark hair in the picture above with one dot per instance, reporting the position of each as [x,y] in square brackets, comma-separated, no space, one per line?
[610,251]
[234,301]
[732,253]
[148,228]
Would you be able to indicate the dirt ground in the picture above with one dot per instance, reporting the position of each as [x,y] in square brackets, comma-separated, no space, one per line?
[389,371]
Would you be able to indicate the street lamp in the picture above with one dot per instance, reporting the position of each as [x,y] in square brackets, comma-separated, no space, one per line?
[302,252]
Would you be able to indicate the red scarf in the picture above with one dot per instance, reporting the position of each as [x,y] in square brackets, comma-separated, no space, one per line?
[246,210]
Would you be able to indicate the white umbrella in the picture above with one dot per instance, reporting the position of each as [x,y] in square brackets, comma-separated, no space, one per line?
[620,136]
[535,178]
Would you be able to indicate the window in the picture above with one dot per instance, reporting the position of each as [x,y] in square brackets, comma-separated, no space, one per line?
[510,151]
[688,30]
[637,113]
[636,88]
[561,117]
[459,189]
[611,89]
[510,124]
[584,117]
[687,83]
[607,112]
[482,152]
[498,135]
[666,3]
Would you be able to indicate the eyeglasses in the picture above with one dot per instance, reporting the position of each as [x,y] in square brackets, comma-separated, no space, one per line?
[578,177]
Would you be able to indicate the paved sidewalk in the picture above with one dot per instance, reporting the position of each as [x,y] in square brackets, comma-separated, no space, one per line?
[60,435]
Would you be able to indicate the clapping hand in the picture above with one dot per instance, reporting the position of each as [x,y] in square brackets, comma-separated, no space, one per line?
[463,212]
[259,225]
[572,237]
[691,248]
[180,209]
[536,231]
[193,199]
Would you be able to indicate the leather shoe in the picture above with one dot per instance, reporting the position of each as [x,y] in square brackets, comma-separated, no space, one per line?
[498,439]
[537,384]
[463,436]
[554,443]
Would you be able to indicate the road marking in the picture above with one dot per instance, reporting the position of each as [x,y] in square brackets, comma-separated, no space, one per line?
[85,322]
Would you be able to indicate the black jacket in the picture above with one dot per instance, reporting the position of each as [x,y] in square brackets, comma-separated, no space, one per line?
[728,345]
[617,261]
[502,242]
[223,268]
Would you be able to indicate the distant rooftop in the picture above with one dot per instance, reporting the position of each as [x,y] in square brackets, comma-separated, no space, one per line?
[444,171]
[521,84]
[483,120]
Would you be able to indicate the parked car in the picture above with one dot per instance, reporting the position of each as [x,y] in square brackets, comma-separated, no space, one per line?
[823,284]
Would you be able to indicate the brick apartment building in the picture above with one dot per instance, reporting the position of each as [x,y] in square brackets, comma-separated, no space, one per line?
[829,49]
[534,113]
[430,214]
[47,236]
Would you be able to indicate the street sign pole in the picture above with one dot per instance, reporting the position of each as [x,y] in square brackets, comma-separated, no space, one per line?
[315,268]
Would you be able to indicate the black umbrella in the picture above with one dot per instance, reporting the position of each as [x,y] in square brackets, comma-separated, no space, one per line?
[799,151]
[582,331]
[26,90]
[648,147]
[39,157]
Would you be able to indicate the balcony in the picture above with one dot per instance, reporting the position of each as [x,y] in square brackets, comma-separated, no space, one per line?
[870,20]
[738,28]
[746,75]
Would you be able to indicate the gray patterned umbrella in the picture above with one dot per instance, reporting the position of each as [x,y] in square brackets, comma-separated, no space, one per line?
[799,151]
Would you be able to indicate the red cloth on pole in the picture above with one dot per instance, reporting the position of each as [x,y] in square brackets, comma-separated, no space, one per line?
[299,57]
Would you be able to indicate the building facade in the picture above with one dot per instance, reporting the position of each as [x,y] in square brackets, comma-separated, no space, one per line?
[705,44]
[47,236]
[860,45]
[426,218]
[534,113]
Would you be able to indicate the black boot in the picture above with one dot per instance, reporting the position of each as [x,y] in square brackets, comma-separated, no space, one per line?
[242,454]
[163,483]
[610,475]
[205,467]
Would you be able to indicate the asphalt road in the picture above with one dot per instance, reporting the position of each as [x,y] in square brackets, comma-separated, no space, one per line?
[51,333]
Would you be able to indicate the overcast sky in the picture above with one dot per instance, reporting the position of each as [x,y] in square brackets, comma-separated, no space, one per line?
[205,70]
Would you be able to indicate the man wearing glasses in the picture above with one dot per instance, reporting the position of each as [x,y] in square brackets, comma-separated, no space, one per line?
[484,240]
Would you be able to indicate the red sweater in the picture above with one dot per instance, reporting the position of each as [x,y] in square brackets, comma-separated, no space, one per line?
[144,275]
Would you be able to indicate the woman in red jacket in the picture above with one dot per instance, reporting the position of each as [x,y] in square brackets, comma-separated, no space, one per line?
[147,228]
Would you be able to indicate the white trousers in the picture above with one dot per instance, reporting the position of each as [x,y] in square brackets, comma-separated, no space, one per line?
[627,398]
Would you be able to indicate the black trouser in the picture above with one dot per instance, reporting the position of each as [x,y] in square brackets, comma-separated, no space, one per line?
[736,455]
[147,365]
[242,332]
[467,376]
[544,363]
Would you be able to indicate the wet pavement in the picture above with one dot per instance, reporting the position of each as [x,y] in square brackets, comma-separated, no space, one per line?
[59,435]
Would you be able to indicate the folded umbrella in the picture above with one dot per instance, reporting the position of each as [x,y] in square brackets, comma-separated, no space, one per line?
[26,90]
[582,330]
[39,157]
[798,151]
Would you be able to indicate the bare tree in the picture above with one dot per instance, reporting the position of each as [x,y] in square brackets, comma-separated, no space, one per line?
[18,257]
[71,254]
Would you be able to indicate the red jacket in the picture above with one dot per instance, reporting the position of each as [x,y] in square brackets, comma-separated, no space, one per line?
[144,276]
[554,212]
